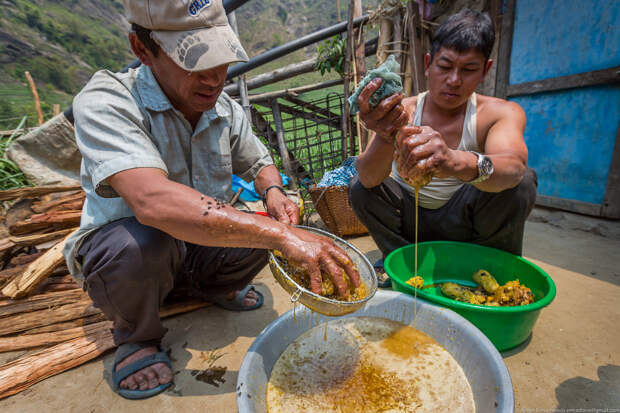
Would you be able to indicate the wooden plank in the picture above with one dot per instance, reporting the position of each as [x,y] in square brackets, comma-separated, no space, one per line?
[36,272]
[27,341]
[597,77]
[32,192]
[268,96]
[51,220]
[64,325]
[611,203]
[571,205]
[67,312]
[36,239]
[41,302]
[22,373]
[502,78]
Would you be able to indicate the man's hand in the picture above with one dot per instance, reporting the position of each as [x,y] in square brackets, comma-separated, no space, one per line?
[387,117]
[422,150]
[282,208]
[316,254]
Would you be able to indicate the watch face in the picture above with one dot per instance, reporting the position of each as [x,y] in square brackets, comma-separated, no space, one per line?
[485,165]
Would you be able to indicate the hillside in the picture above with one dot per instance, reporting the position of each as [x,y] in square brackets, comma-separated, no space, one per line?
[62,42]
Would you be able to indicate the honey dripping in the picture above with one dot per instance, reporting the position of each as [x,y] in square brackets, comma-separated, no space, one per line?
[294,308]
[325,332]
[415,259]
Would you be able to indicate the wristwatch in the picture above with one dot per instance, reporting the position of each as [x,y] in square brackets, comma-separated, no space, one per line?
[485,168]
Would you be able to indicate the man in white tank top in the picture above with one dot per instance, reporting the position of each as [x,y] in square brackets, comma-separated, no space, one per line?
[482,190]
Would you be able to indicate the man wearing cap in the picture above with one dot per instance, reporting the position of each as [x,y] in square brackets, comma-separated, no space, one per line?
[160,144]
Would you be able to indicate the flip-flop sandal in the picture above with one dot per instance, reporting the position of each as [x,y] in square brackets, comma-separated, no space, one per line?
[122,353]
[383,280]
[236,304]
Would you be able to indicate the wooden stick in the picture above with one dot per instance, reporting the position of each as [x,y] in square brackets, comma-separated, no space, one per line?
[37,102]
[65,325]
[41,302]
[33,319]
[32,192]
[36,239]
[55,109]
[36,272]
[27,341]
[22,373]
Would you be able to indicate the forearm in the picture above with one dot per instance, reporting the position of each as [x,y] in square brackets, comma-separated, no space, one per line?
[508,170]
[267,177]
[375,163]
[188,215]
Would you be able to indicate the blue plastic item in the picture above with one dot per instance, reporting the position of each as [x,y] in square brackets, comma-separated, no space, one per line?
[249,193]
[341,175]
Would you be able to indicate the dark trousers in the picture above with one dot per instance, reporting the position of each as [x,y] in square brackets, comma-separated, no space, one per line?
[130,268]
[485,218]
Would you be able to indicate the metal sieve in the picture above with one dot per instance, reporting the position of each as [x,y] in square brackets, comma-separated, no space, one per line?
[316,302]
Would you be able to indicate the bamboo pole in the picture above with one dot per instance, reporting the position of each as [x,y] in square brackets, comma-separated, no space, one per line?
[346,113]
[55,109]
[36,272]
[268,96]
[359,70]
[37,103]
[416,54]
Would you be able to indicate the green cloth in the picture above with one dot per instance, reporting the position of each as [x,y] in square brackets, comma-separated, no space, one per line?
[392,83]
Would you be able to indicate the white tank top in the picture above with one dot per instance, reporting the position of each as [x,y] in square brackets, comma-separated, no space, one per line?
[439,190]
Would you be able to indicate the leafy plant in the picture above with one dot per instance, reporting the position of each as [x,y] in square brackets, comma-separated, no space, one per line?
[331,54]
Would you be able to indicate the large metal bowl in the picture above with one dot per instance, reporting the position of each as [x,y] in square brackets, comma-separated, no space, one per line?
[316,302]
[481,362]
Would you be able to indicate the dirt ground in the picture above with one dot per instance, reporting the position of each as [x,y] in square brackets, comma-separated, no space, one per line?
[571,362]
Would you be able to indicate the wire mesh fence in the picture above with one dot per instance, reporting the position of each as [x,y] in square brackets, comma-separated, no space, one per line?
[312,133]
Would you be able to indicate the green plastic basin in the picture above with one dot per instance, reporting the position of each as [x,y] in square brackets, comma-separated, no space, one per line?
[446,261]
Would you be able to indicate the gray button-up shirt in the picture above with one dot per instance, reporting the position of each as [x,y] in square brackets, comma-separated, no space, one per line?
[125,121]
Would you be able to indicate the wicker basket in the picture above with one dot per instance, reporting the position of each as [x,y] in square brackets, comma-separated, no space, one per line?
[332,204]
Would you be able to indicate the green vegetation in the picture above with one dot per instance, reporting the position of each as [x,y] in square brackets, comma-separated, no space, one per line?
[331,54]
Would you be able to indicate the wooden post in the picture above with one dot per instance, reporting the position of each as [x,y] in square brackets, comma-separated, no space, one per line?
[385,36]
[277,118]
[37,103]
[416,54]
[55,109]
[503,54]
[243,88]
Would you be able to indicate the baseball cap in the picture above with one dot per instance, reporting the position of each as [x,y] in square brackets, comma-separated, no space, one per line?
[194,33]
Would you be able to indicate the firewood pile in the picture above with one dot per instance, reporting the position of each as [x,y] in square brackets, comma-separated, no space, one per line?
[42,309]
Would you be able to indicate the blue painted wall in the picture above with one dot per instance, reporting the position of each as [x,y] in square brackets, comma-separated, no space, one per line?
[563,37]
[570,134]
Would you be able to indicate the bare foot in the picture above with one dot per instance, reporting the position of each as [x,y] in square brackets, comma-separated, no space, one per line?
[147,378]
[251,298]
